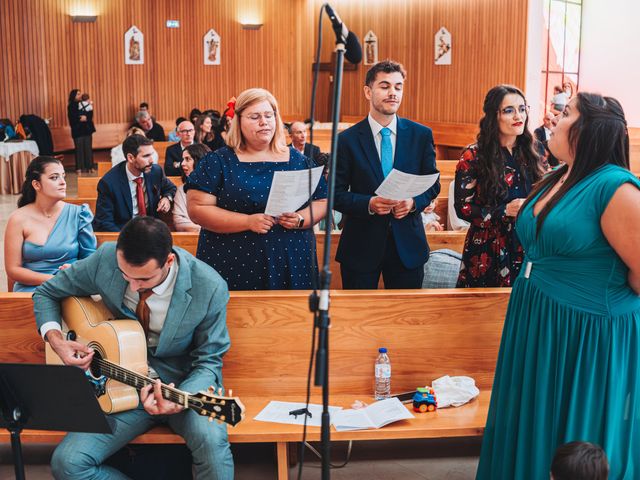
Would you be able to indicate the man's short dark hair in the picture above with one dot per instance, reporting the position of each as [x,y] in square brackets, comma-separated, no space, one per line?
[385,66]
[143,239]
[179,120]
[132,144]
[144,105]
[583,460]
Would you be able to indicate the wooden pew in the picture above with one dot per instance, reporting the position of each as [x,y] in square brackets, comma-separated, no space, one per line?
[189,241]
[88,186]
[91,201]
[433,334]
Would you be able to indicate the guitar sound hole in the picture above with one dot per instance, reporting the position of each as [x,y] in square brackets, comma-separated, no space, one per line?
[95,367]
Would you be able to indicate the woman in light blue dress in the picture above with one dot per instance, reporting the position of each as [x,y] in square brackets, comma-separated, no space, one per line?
[45,234]
[568,363]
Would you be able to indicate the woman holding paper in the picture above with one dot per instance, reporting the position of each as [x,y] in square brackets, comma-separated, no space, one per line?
[227,195]
[493,178]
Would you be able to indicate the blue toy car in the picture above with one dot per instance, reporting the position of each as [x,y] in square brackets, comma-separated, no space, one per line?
[425,400]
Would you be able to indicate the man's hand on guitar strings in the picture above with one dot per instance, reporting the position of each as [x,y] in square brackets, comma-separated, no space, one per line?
[70,352]
[155,404]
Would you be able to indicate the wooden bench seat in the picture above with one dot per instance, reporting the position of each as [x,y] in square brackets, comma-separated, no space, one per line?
[435,332]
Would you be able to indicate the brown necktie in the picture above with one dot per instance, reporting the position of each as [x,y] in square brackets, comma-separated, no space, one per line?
[142,311]
[140,196]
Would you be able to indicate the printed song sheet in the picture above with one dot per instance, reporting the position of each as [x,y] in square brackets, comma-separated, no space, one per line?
[400,186]
[290,190]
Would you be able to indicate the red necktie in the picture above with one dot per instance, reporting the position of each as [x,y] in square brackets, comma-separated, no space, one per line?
[142,209]
[142,310]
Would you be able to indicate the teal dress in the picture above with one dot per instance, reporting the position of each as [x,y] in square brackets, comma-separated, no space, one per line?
[568,362]
[71,239]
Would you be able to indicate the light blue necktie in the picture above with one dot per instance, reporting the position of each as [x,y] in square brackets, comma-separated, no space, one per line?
[386,151]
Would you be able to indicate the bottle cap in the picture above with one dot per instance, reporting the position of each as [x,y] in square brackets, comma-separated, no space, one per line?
[382,350]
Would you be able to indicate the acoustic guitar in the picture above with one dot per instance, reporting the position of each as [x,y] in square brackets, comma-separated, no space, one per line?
[119,367]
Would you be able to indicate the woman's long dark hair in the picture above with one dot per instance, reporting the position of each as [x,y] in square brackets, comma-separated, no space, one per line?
[200,136]
[492,187]
[197,152]
[598,137]
[34,172]
[72,96]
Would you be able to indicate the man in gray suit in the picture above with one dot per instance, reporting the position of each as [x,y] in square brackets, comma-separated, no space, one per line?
[181,303]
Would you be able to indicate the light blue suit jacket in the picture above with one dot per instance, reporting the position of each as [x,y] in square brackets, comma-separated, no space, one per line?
[194,336]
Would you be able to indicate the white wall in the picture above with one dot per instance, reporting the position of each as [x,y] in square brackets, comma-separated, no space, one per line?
[533,80]
[610,52]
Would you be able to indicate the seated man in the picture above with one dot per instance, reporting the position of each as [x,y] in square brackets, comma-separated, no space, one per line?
[182,301]
[132,188]
[298,133]
[173,156]
[151,128]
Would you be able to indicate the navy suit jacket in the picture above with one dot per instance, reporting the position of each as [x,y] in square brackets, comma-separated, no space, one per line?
[173,155]
[359,174]
[114,206]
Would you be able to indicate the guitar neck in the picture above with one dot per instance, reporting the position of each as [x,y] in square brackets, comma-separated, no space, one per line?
[137,381]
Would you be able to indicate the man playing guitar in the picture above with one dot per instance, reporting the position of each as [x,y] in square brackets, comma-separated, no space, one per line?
[181,304]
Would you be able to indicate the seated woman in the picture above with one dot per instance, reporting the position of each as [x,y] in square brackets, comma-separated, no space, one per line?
[190,158]
[117,155]
[227,194]
[493,178]
[45,234]
[207,133]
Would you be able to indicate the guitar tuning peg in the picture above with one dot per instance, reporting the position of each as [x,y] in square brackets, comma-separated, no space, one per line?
[211,389]
[210,419]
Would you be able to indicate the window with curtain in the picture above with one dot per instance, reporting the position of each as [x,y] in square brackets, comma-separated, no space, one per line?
[560,48]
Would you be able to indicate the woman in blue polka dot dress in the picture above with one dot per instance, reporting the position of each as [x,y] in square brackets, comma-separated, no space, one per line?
[227,196]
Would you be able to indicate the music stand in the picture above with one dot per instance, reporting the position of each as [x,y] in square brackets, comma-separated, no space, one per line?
[46,397]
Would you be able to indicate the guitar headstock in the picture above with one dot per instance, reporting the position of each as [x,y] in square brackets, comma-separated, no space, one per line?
[229,409]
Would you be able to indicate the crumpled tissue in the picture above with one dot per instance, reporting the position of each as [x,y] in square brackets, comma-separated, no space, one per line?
[454,391]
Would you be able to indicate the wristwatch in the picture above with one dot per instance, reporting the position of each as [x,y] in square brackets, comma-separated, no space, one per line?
[300,221]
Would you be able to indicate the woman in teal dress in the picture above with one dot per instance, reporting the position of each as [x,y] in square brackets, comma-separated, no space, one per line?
[568,363]
[45,234]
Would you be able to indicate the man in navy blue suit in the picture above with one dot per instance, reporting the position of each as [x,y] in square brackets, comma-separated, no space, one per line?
[382,236]
[133,188]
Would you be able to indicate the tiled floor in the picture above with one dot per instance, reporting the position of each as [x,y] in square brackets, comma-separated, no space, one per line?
[451,459]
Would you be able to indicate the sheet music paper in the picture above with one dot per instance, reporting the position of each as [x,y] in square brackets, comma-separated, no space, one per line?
[290,190]
[401,186]
[278,412]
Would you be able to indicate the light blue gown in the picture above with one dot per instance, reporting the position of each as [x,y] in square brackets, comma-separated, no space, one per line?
[70,239]
[568,363]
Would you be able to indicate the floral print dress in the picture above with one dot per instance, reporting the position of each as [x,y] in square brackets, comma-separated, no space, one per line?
[492,254]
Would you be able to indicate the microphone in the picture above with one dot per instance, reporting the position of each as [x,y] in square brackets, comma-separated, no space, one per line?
[353,50]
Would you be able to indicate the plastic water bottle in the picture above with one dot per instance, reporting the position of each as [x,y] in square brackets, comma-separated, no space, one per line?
[383,375]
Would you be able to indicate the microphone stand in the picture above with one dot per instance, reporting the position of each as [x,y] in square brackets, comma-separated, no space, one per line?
[322,354]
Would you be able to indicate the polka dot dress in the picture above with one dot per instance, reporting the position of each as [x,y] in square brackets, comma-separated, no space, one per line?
[281,259]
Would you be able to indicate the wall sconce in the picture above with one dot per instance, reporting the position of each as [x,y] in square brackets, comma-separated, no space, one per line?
[84,18]
[251,26]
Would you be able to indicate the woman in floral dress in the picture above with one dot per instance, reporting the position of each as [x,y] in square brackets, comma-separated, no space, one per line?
[493,178]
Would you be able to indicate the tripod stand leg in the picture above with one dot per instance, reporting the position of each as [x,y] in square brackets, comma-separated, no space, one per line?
[16,447]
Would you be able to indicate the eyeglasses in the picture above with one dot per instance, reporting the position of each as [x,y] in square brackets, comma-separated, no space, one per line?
[510,111]
[190,130]
[254,117]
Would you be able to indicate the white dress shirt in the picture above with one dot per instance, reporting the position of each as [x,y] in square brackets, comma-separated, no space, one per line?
[377,136]
[158,302]
[547,133]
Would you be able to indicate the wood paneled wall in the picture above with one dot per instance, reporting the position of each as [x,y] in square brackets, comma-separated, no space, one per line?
[45,55]
[48,55]
[488,48]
